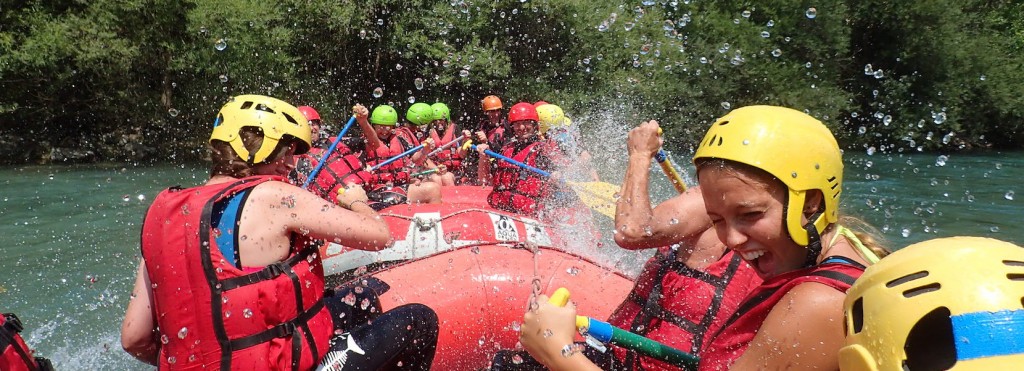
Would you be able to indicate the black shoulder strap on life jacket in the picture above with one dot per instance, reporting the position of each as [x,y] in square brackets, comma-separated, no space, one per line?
[761,296]
[11,328]
[651,307]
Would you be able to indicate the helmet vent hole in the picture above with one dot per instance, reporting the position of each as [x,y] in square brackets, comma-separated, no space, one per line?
[857,315]
[290,118]
[907,278]
[929,344]
[723,123]
[264,108]
[712,140]
[1015,276]
[246,105]
[719,141]
[922,290]
[1013,263]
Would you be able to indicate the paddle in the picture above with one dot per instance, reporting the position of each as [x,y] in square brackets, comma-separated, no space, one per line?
[606,333]
[327,155]
[670,171]
[396,157]
[446,145]
[599,196]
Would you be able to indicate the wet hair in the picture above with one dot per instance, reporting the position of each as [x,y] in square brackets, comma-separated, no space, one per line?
[866,233]
[227,162]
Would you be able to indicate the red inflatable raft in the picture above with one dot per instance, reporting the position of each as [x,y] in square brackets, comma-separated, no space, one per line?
[475,265]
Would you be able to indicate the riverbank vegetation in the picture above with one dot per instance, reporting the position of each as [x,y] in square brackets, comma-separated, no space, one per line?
[141,80]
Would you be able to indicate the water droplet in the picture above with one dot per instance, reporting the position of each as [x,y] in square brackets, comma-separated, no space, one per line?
[673,221]
[939,118]
[173,112]
[766,34]
[362,34]
[378,92]
[517,359]
[941,160]
[777,53]
[247,313]
[994,229]
[547,333]
[572,271]
[905,232]
[419,83]
[669,25]
[412,99]
[982,78]
[628,26]
[745,14]
[811,13]
[398,67]
[464,73]
[365,303]
[878,74]
[126,198]
[726,106]
[164,339]
[887,120]
[183,333]
[172,360]
[648,2]
[603,26]
[1008,195]
[221,45]
[770,23]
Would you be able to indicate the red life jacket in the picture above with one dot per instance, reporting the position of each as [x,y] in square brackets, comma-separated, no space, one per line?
[214,315]
[396,173]
[340,171]
[681,306]
[735,336]
[517,189]
[449,157]
[15,355]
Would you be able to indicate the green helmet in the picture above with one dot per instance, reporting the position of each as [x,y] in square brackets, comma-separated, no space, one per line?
[420,114]
[384,115]
[441,111]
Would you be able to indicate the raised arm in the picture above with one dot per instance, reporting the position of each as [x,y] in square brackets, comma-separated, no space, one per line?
[681,219]
[370,135]
[804,331]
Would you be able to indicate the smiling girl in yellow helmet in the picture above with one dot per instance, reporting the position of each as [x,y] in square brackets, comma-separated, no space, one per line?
[770,178]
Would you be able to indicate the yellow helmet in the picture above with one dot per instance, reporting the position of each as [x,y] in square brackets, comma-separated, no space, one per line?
[788,144]
[948,303]
[275,117]
[551,116]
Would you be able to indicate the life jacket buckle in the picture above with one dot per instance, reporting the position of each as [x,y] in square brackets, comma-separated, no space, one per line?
[12,322]
[277,269]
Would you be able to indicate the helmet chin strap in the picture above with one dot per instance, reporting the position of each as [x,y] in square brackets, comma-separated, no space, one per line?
[813,241]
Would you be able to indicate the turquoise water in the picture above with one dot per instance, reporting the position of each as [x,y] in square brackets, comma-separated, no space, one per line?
[70,233]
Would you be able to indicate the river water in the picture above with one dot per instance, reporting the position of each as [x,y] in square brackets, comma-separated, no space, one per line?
[70,233]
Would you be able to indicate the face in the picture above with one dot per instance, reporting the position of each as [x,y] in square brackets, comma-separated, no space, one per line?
[438,124]
[524,129]
[494,116]
[746,207]
[383,131]
[282,165]
[314,126]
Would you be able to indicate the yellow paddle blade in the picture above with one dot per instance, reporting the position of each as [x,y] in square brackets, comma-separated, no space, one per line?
[599,196]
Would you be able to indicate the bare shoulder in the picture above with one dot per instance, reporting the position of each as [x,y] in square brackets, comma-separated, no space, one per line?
[804,330]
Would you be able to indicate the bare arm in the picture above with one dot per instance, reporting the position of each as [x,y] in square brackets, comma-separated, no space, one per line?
[138,330]
[370,135]
[804,331]
[681,219]
[483,169]
[280,209]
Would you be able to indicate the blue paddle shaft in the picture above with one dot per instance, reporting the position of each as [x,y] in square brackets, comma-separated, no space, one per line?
[396,158]
[446,145]
[514,162]
[327,155]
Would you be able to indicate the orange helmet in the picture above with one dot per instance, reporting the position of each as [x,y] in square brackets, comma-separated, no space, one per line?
[491,102]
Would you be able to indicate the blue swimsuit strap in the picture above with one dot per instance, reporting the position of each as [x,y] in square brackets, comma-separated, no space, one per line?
[225,219]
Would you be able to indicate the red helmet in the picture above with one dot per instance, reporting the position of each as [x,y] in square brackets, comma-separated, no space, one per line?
[309,112]
[540,103]
[522,111]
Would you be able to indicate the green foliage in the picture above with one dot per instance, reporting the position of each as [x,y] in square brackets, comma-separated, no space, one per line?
[142,79]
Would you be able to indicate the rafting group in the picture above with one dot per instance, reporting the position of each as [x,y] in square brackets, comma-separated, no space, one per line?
[754,268]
